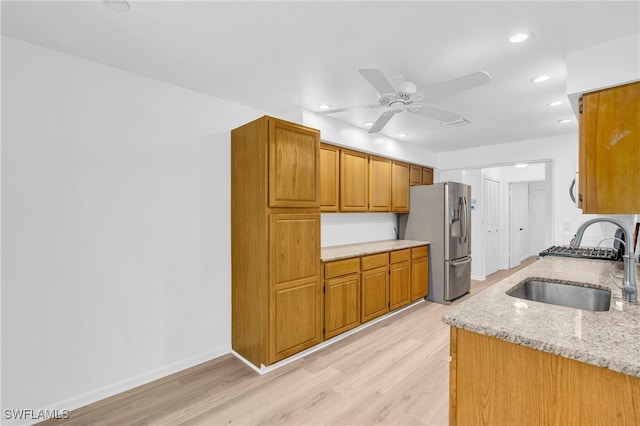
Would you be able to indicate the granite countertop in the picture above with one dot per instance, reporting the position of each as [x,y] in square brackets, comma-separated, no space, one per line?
[328,254]
[609,339]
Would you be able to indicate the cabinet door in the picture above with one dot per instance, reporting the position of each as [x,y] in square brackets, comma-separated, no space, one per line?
[353,181]
[341,304]
[379,184]
[375,293]
[609,181]
[415,175]
[294,165]
[296,292]
[399,187]
[427,176]
[329,177]
[419,278]
[399,284]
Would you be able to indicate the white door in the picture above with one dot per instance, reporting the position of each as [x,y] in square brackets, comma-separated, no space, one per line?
[518,222]
[492,220]
[539,225]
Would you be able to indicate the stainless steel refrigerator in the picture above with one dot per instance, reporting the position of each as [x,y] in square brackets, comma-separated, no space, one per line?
[441,214]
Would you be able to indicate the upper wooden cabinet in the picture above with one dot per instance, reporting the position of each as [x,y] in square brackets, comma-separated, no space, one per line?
[399,187]
[329,178]
[379,184]
[427,176]
[294,165]
[415,175]
[353,181]
[609,153]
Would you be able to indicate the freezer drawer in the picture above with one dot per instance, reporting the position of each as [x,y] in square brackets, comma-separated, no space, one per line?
[457,278]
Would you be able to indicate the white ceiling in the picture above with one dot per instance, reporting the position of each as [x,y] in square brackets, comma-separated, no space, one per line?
[283,56]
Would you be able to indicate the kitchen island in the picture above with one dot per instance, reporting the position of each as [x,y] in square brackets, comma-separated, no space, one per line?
[517,361]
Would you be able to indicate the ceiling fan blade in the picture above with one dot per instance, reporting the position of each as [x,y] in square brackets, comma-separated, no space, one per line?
[378,80]
[468,81]
[438,114]
[335,110]
[381,121]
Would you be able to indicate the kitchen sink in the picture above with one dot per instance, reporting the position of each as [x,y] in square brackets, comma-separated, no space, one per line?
[569,294]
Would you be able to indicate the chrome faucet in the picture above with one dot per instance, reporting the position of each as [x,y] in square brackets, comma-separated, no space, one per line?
[629,288]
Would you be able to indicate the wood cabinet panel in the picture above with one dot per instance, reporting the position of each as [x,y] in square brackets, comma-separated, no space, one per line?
[295,247]
[399,284]
[427,176]
[375,260]
[341,304]
[415,175]
[337,268]
[375,293]
[419,278]
[353,181]
[494,382]
[609,153]
[329,177]
[296,324]
[294,165]
[399,187]
[379,184]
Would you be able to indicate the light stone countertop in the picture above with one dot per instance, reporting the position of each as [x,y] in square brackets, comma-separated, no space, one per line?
[328,254]
[609,339]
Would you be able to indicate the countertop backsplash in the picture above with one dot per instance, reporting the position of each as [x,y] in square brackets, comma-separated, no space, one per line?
[351,228]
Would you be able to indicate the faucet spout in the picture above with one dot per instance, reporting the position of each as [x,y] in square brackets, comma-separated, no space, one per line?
[629,286]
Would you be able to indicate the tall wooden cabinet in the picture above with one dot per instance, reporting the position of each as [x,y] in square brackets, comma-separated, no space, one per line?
[275,240]
[609,153]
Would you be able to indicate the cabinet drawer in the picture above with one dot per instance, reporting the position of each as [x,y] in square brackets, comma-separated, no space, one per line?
[417,252]
[375,260]
[400,255]
[342,267]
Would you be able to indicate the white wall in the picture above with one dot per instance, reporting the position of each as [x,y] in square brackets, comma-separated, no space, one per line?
[116,228]
[604,65]
[351,228]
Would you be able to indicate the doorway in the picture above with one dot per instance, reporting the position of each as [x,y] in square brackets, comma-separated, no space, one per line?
[492,229]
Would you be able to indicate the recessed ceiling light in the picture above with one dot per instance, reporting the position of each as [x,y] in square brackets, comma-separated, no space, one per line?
[518,38]
[520,165]
[117,5]
[324,106]
[554,103]
[565,120]
[368,123]
[402,135]
[540,78]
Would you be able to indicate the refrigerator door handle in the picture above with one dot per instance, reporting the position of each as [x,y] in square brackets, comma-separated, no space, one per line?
[464,219]
[460,262]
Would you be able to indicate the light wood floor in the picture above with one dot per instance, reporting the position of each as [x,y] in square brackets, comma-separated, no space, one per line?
[395,372]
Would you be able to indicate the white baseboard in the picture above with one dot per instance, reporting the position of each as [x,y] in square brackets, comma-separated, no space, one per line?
[266,369]
[127,384]
[478,277]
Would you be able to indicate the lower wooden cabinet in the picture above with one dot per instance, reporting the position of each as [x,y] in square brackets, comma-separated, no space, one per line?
[419,272]
[342,296]
[375,286]
[359,289]
[399,278]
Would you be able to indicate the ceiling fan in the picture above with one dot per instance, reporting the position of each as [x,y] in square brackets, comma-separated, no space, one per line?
[400,95]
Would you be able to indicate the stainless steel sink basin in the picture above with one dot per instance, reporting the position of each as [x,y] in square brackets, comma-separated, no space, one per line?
[572,295]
